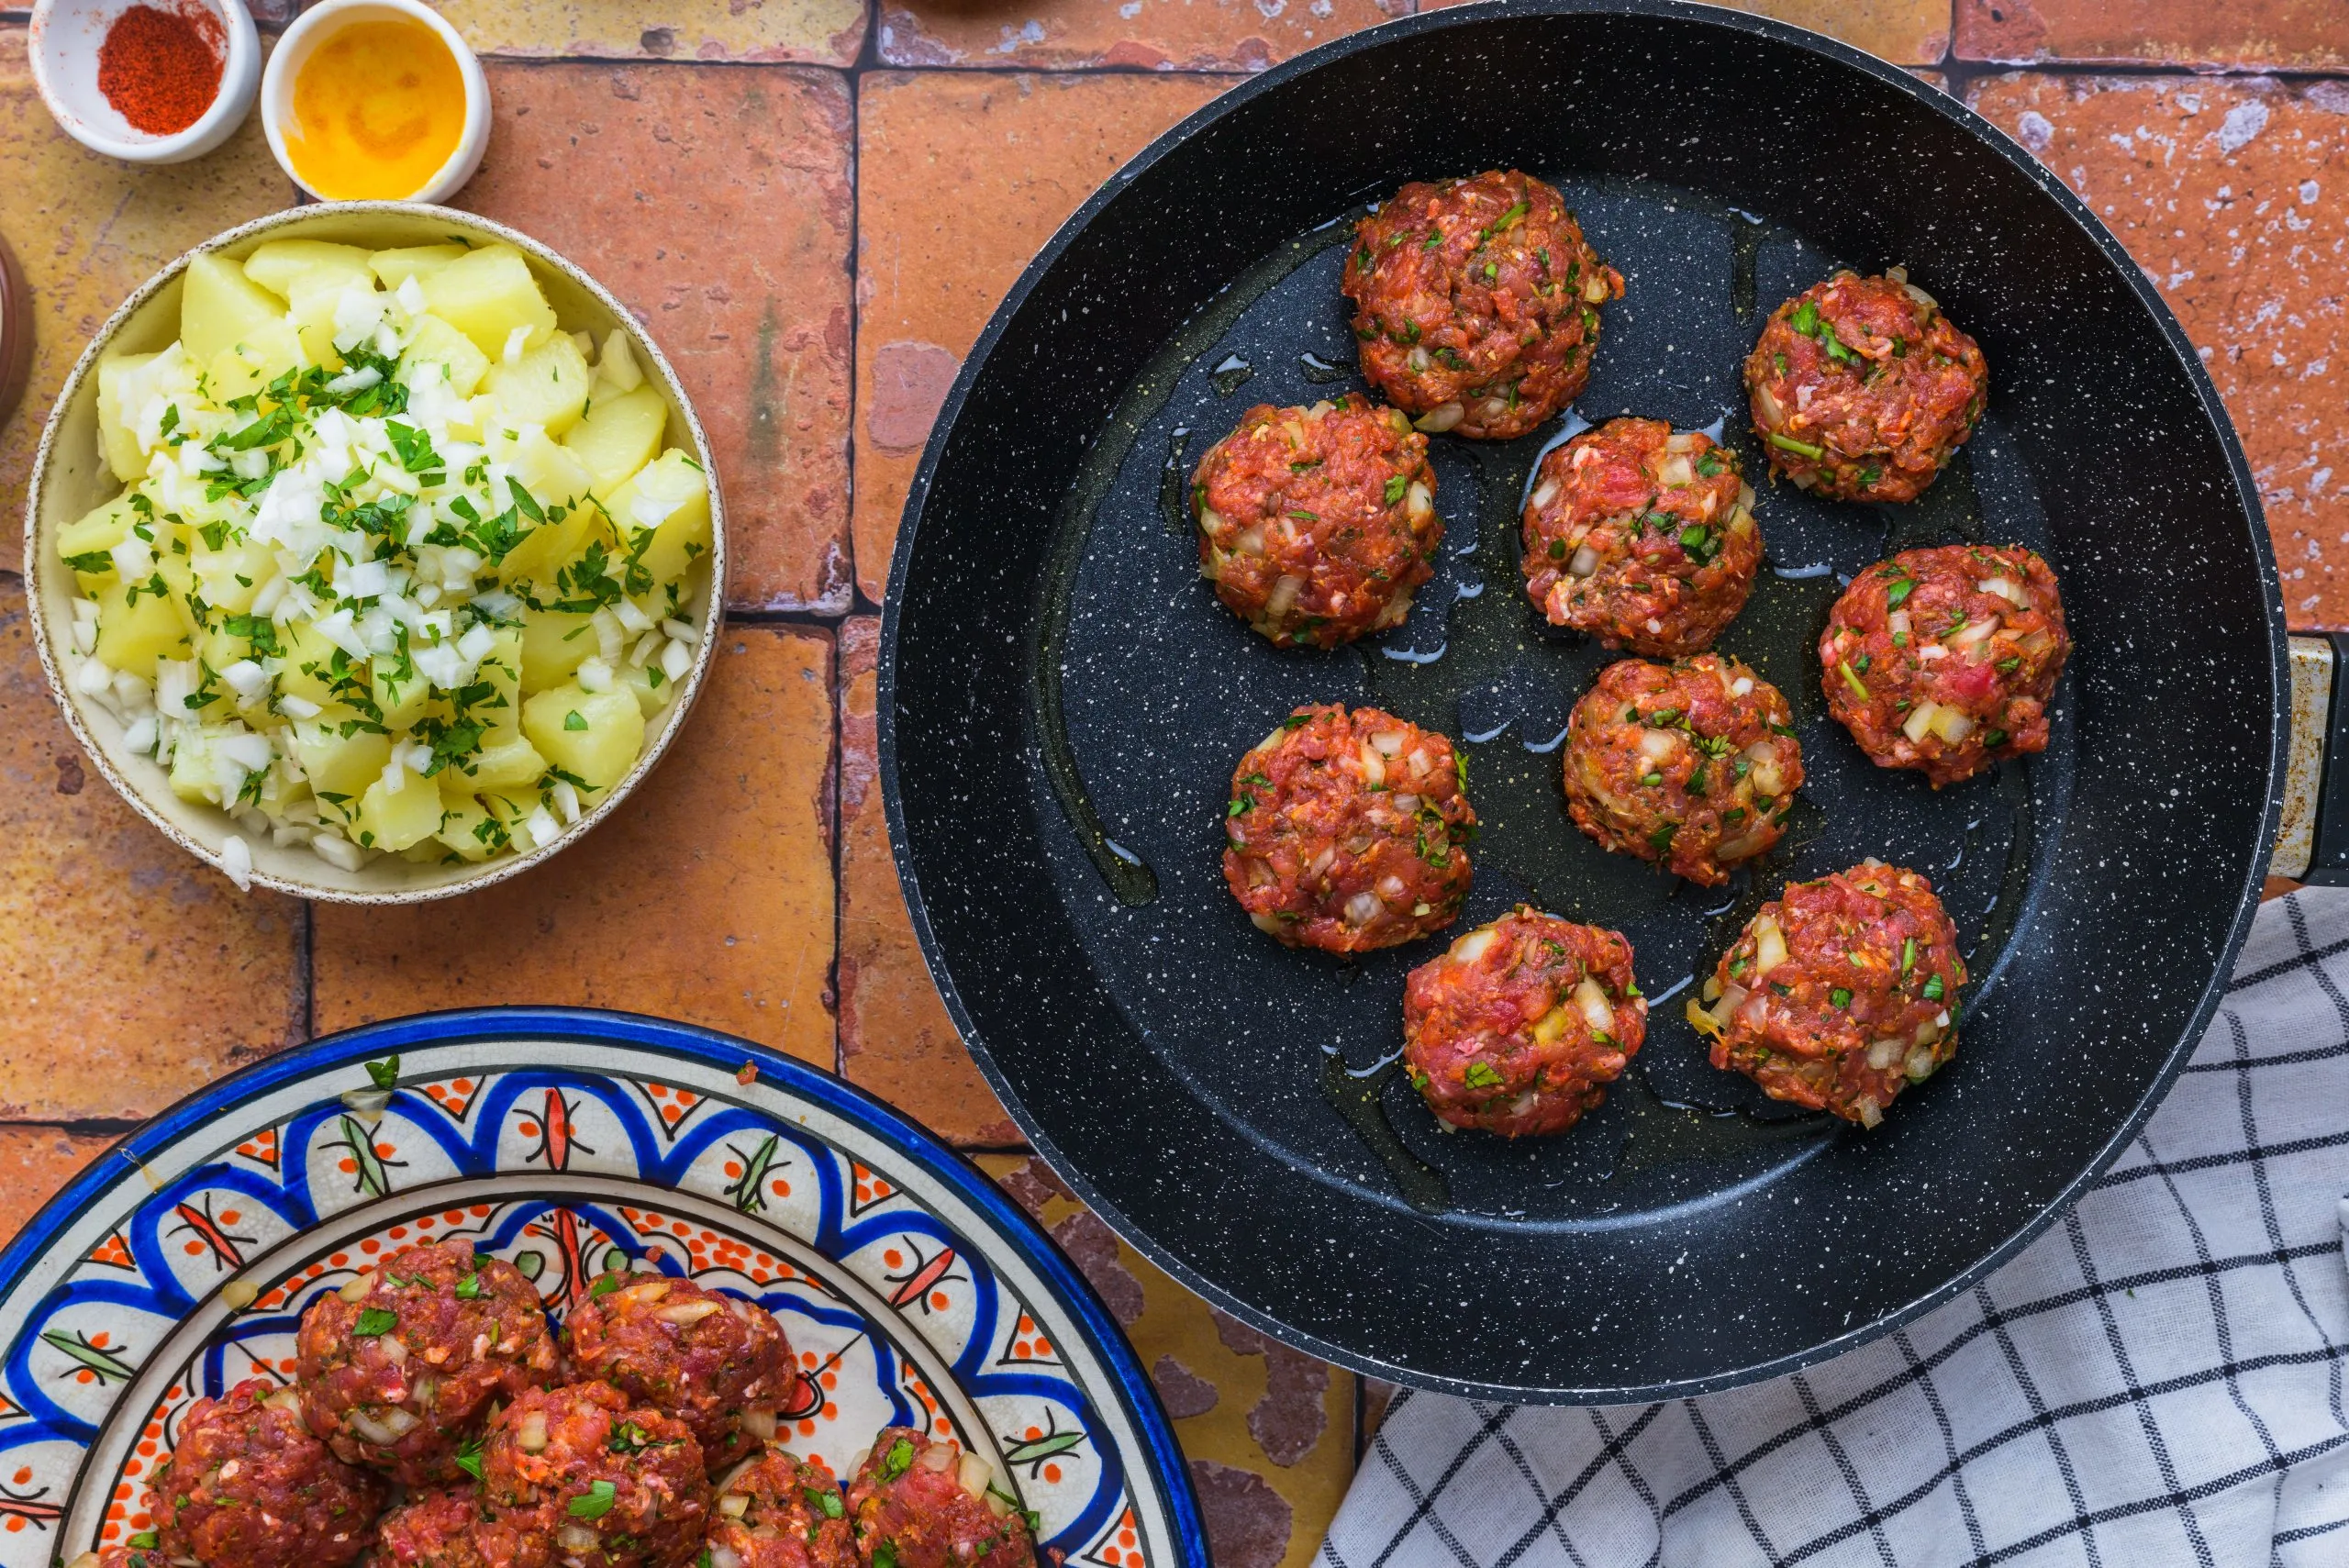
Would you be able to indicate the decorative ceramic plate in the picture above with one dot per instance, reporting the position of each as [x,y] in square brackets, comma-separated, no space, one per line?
[568,1142]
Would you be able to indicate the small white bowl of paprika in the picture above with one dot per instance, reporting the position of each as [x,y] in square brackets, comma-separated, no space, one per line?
[375,100]
[146,80]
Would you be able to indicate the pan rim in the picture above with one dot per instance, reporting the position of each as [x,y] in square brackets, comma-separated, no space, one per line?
[1982,130]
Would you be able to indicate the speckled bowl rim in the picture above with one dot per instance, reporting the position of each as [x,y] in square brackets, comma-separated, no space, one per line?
[658,369]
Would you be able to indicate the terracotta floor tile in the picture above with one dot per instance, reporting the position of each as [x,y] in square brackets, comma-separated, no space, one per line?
[129,971]
[1269,1431]
[34,1162]
[716,202]
[1019,153]
[2296,33]
[822,32]
[1907,32]
[709,898]
[89,230]
[2234,196]
[896,1038]
[1156,35]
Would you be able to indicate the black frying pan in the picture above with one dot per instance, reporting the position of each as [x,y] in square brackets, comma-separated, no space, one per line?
[1062,701]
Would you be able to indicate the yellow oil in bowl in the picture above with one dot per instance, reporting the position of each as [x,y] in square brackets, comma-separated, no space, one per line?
[378,107]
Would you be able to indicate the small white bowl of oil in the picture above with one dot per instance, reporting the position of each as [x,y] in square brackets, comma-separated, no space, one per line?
[375,100]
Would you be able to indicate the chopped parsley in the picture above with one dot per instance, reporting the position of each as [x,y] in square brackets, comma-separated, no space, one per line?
[374,1322]
[595,1503]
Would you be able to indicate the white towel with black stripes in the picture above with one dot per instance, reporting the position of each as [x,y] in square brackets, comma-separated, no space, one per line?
[2157,1380]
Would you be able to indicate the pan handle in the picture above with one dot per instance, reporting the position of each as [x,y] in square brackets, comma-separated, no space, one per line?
[2313,845]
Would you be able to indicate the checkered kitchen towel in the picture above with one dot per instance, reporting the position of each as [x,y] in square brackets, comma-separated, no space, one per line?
[2156,1380]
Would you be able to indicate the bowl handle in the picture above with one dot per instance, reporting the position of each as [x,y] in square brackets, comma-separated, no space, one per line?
[2314,843]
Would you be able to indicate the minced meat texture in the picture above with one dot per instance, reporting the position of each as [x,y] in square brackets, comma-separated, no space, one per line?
[1477,303]
[582,1478]
[1839,994]
[1945,660]
[398,1367]
[914,1507]
[781,1511]
[1317,524]
[1642,537]
[705,1357]
[1692,765]
[1861,389]
[1349,832]
[1520,1025]
[248,1486]
[431,1530]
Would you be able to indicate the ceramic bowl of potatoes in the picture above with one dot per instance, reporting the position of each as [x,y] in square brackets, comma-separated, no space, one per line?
[374,552]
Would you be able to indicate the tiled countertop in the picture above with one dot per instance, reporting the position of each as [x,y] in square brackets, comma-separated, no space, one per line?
[816,204]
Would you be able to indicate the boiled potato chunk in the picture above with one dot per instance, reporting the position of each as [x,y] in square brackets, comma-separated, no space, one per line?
[555,643]
[618,435]
[395,267]
[507,762]
[437,353]
[93,534]
[339,764]
[616,367]
[220,308]
[291,267]
[231,577]
[398,810]
[403,700]
[650,685]
[595,736]
[466,828]
[671,498]
[133,634]
[485,294]
[547,386]
[501,669]
[308,671]
[253,362]
[116,438]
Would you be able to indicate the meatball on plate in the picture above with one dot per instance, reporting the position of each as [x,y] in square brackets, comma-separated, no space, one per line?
[580,1477]
[1519,1026]
[1477,303]
[248,1486]
[1316,525]
[1691,765]
[1839,994]
[1945,660]
[920,1502]
[1861,389]
[432,1529]
[781,1511]
[718,1363]
[1349,832]
[1641,536]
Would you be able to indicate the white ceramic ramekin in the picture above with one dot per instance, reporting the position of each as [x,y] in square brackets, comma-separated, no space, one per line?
[64,46]
[321,22]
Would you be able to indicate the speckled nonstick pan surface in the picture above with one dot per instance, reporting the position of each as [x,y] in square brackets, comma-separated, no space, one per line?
[1063,700]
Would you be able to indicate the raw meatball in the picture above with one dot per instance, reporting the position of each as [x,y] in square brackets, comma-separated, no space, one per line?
[580,1477]
[1317,524]
[431,1530]
[248,1486]
[1642,537]
[719,1364]
[1860,389]
[1840,992]
[781,1511]
[1691,765]
[1518,1026]
[925,1504]
[1477,303]
[399,1362]
[1347,832]
[1945,660]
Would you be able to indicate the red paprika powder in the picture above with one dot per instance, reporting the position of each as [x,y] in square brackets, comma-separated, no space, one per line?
[161,69]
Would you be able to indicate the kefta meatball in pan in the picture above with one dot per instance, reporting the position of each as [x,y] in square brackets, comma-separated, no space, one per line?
[1518,1026]
[717,1363]
[1860,389]
[1691,765]
[1316,525]
[1945,660]
[923,1503]
[1349,832]
[1839,994]
[396,1365]
[1642,537]
[247,1485]
[1477,303]
[579,1477]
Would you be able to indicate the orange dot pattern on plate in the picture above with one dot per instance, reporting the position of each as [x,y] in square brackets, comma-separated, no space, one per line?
[1120,1544]
[1028,1342]
[262,1147]
[707,1250]
[454,1096]
[672,1106]
[112,1251]
[870,1189]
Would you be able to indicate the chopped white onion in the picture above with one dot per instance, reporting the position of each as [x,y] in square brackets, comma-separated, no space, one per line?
[1436,421]
[237,862]
[975,1474]
[1769,945]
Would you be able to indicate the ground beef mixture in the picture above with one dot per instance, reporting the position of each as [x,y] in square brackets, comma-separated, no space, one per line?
[1945,660]
[580,1477]
[1861,389]
[398,1365]
[432,1529]
[1692,765]
[711,1360]
[920,1502]
[248,1486]
[1518,1026]
[1477,303]
[1839,994]
[1348,831]
[1317,524]
[781,1511]
[1642,536]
